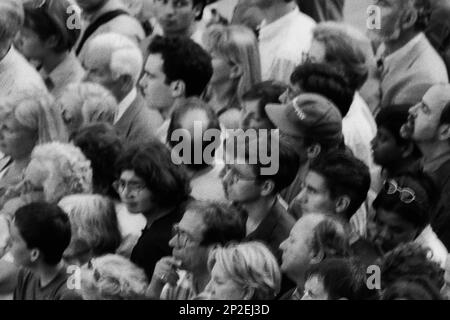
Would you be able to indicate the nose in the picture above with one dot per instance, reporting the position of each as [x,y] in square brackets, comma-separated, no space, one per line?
[284,97]
[302,198]
[373,143]
[142,82]
[173,242]
[413,110]
[283,245]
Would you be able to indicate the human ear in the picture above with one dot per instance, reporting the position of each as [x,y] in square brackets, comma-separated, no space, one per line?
[409,18]
[267,188]
[407,150]
[178,89]
[34,255]
[444,132]
[236,72]
[314,151]
[342,204]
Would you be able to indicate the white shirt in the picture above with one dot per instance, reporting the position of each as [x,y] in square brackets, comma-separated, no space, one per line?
[359,129]
[125,104]
[282,44]
[18,76]
[429,239]
[209,186]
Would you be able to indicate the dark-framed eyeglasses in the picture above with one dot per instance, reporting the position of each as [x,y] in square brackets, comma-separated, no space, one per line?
[132,186]
[406,195]
[236,176]
[182,237]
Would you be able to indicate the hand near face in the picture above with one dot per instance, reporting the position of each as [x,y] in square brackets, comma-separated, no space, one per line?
[165,272]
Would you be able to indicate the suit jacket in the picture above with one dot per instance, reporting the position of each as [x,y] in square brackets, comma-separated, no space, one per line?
[139,123]
[407,74]
[274,229]
[438,30]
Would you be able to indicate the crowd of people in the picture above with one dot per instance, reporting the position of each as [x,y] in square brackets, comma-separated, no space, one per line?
[223,150]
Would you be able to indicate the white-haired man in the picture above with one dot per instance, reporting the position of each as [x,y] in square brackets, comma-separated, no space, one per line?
[115,62]
[16,74]
[409,65]
[104,16]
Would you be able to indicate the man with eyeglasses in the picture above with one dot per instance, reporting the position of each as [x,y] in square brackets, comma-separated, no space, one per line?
[429,128]
[402,215]
[257,193]
[16,74]
[204,226]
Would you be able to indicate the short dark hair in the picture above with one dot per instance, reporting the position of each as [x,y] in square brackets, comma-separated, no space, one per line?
[324,79]
[341,278]
[178,115]
[410,261]
[184,60]
[265,92]
[420,288]
[152,162]
[102,145]
[50,20]
[345,175]
[46,227]
[416,212]
[330,239]
[224,222]
[445,115]
[424,11]
[392,118]
[288,158]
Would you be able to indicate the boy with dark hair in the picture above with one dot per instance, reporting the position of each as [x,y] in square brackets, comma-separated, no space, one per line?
[176,69]
[337,184]
[390,150]
[253,114]
[247,185]
[40,233]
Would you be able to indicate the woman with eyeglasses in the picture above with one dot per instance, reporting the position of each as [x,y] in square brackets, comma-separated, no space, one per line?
[150,183]
[403,215]
[51,28]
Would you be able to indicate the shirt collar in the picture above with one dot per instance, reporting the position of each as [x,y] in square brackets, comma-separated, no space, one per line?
[399,54]
[270,30]
[125,104]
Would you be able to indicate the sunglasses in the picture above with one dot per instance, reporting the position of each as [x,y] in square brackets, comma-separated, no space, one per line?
[407,195]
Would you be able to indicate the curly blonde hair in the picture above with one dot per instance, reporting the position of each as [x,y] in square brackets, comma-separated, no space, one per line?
[112,277]
[70,171]
[91,102]
[252,266]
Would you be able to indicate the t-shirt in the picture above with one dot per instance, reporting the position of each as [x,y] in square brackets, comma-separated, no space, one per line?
[29,287]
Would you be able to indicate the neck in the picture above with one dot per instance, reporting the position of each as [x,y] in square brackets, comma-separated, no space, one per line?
[47,273]
[167,113]
[184,33]
[4,51]
[405,37]
[432,151]
[52,60]
[257,211]
[121,94]
[393,169]
[278,10]
[221,94]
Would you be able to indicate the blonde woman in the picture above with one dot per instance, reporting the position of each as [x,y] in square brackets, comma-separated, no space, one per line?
[24,123]
[95,229]
[236,64]
[246,271]
[85,103]
[112,277]
[55,170]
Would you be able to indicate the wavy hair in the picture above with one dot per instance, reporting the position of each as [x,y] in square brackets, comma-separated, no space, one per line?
[252,266]
[239,46]
[70,171]
[112,277]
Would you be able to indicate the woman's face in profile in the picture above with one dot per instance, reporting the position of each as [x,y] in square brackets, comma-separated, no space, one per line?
[16,140]
[222,287]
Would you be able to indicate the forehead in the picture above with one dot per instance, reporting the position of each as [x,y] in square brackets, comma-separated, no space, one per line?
[305,225]
[192,222]
[130,175]
[317,51]
[391,219]
[436,98]
[314,179]
[154,62]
